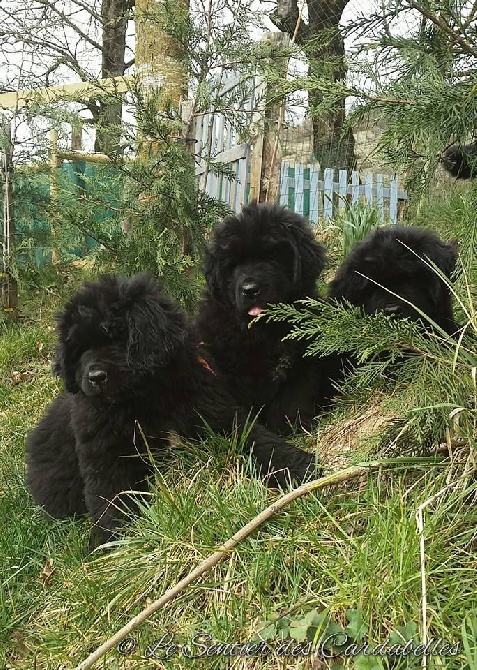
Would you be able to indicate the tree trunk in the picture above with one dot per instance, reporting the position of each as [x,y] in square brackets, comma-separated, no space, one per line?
[331,147]
[161,56]
[114,15]
[324,47]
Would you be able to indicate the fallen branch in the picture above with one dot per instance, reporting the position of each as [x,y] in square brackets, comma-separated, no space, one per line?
[224,551]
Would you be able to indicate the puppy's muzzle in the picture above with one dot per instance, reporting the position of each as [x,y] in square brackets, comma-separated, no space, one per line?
[393,310]
[97,377]
[250,290]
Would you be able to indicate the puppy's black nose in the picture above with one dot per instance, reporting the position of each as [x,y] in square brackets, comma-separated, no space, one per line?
[97,377]
[393,309]
[250,290]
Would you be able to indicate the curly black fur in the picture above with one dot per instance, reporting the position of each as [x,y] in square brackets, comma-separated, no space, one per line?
[265,255]
[460,160]
[131,369]
[397,258]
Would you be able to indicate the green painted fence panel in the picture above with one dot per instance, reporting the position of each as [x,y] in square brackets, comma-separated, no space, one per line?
[76,180]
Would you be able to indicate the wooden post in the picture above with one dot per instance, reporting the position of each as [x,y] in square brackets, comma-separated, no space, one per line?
[9,287]
[77,136]
[54,164]
[267,151]
[257,149]
[78,162]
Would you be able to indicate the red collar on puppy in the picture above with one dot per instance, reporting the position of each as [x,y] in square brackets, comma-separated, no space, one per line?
[203,362]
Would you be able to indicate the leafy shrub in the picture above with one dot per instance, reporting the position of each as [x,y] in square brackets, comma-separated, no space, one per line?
[354,223]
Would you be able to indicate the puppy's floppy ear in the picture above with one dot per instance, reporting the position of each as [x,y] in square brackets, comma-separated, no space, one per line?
[348,284]
[219,255]
[451,253]
[442,254]
[156,330]
[64,369]
[67,352]
[212,273]
[309,254]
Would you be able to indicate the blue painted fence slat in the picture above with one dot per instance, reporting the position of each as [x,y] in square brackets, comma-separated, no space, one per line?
[393,199]
[299,188]
[328,193]
[342,189]
[325,195]
[368,188]
[354,187]
[380,195]
[284,183]
[314,193]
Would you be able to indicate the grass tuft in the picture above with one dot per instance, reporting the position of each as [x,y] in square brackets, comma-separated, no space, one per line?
[343,559]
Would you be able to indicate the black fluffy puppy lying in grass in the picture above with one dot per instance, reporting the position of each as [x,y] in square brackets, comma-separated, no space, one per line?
[132,373]
[392,271]
[265,255]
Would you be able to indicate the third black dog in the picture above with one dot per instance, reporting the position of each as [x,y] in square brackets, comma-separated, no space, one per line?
[460,160]
[391,271]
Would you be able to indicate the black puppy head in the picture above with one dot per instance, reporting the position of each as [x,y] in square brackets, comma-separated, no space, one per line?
[115,331]
[265,255]
[460,160]
[399,259]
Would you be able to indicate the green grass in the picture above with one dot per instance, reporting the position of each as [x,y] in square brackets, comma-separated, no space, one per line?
[354,223]
[26,537]
[349,550]
[345,559]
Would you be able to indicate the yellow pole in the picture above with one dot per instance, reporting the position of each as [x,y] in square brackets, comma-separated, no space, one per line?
[8,285]
[54,164]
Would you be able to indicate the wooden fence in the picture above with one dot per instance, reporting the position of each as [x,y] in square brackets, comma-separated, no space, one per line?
[303,188]
[304,192]
[218,142]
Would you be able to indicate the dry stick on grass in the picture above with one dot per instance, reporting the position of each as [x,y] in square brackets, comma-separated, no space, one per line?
[223,551]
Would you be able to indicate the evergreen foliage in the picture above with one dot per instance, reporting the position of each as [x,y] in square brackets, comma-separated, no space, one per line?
[413,69]
[429,377]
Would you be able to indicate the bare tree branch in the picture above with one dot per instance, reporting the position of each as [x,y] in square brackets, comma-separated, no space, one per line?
[53,6]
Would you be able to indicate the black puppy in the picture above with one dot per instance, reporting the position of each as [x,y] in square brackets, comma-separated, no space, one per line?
[265,255]
[460,160]
[132,374]
[391,271]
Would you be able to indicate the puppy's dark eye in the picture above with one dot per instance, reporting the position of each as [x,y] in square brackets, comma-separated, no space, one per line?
[85,313]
